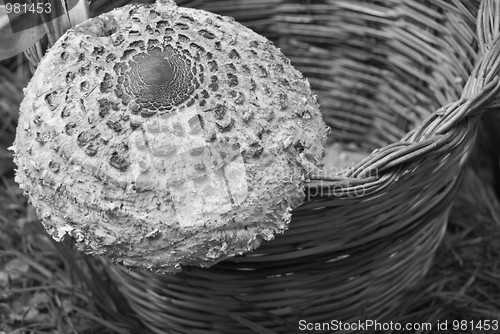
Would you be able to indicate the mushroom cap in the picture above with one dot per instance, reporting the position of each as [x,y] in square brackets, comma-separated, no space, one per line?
[162,136]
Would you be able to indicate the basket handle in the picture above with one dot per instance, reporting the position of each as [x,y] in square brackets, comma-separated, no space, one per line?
[488,24]
[482,90]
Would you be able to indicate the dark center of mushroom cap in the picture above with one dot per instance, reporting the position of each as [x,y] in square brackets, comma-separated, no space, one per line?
[161,79]
[156,71]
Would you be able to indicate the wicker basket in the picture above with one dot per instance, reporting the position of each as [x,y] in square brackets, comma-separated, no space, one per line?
[404,79]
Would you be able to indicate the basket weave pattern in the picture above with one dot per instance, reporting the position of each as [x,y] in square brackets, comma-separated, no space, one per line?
[407,79]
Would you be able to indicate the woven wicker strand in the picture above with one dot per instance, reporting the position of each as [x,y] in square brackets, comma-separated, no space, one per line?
[404,79]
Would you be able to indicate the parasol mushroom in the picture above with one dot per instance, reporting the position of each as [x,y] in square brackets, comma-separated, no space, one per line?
[162,136]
